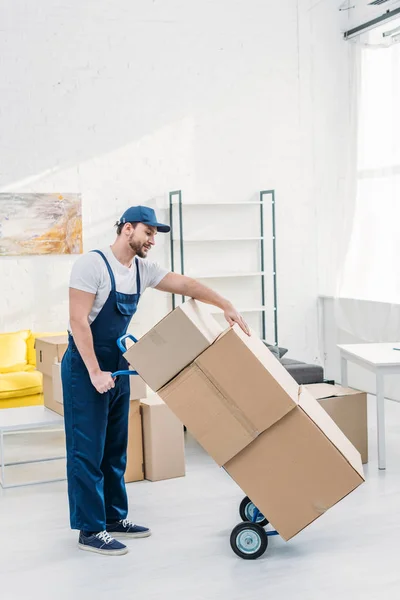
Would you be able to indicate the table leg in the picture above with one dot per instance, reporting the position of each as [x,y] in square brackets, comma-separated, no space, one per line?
[344,372]
[380,407]
[3,474]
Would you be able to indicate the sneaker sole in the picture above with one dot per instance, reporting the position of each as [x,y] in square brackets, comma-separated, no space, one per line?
[117,535]
[104,552]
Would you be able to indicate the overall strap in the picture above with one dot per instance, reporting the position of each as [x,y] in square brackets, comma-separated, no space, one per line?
[137,276]
[113,288]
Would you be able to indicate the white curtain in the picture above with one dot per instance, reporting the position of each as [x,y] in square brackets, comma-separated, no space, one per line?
[371,270]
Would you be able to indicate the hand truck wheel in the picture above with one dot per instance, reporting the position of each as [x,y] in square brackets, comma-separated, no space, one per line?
[249,541]
[246,511]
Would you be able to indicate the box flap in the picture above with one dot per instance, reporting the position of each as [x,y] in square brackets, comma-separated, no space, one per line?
[324,422]
[319,391]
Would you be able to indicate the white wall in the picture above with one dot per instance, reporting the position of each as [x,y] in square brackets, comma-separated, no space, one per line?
[124,101]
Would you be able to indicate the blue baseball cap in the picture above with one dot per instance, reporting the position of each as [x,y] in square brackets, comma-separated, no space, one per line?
[143,214]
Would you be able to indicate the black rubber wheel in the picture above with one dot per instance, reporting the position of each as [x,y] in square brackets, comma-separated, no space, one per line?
[246,511]
[249,541]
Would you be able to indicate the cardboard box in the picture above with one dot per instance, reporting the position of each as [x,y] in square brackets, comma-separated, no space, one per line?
[348,408]
[230,394]
[57,383]
[163,441]
[137,386]
[48,395]
[173,343]
[271,435]
[298,469]
[48,351]
[134,466]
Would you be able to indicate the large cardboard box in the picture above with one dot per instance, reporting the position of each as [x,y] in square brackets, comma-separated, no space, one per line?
[163,441]
[230,394]
[298,469]
[48,351]
[134,466]
[348,408]
[173,343]
[48,396]
[271,435]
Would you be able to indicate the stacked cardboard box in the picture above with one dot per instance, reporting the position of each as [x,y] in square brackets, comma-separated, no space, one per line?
[249,414]
[48,351]
[163,441]
[348,408]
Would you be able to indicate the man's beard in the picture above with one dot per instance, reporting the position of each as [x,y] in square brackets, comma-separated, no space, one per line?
[138,249]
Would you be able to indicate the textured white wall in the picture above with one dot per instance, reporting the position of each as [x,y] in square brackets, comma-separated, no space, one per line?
[126,101]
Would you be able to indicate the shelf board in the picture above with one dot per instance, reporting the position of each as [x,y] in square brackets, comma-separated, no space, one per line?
[217,311]
[252,203]
[226,275]
[249,239]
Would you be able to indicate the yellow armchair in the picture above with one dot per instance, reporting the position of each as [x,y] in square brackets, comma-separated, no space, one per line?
[20,383]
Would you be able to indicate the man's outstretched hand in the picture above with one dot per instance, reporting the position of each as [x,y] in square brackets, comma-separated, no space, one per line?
[232,316]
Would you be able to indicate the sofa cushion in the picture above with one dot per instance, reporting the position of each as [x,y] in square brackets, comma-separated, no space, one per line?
[23,383]
[13,351]
[277,351]
[30,342]
[303,373]
[33,400]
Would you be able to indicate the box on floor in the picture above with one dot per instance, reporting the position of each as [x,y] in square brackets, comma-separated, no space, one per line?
[348,408]
[163,441]
[134,466]
[249,414]
[48,351]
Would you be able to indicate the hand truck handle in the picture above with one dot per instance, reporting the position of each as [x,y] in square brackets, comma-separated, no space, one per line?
[123,373]
[120,341]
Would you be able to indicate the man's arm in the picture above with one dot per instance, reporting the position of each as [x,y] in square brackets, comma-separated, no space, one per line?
[80,305]
[175,283]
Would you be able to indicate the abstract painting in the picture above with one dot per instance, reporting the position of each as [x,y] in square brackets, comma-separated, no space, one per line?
[40,224]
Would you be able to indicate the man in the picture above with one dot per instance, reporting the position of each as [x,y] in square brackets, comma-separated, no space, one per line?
[105,288]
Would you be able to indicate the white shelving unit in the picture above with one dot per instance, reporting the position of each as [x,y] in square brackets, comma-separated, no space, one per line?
[177,236]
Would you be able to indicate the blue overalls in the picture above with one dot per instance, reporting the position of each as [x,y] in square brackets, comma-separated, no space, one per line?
[96,425]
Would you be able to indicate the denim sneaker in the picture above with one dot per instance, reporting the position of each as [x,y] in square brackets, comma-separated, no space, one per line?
[102,543]
[127,528]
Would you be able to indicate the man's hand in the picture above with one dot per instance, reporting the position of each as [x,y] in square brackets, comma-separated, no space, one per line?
[232,316]
[102,381]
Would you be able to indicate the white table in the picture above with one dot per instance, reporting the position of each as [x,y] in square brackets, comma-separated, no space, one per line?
[382,360]
[27,418]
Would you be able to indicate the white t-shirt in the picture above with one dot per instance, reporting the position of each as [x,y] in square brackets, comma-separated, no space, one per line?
[90,274]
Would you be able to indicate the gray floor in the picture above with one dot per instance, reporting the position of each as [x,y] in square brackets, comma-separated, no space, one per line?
[351,553]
